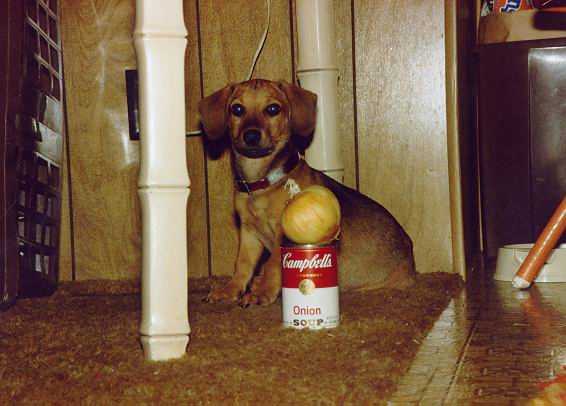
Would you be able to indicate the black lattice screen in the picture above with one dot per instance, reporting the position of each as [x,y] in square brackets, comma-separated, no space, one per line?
[41,124]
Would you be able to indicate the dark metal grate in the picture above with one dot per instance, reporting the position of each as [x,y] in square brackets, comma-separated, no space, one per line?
[41,125]
[42,44]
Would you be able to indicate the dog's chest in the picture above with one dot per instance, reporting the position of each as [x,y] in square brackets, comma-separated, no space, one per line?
[262,214]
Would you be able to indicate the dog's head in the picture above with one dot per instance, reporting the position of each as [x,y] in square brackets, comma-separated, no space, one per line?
[259,116]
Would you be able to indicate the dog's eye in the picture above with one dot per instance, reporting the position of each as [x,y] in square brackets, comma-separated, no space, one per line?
[238,110]
[273,109]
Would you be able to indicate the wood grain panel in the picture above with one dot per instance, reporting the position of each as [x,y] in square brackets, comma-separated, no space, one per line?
[230,35]
[197,216]
[461,135]
[97,39]
[453,76]
[346,112]
[65,236]
[102,156]
[400,87]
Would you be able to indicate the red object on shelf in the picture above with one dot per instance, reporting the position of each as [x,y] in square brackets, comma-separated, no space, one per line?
[510,6]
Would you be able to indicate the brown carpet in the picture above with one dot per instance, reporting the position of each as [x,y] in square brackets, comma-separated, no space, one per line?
[81,346]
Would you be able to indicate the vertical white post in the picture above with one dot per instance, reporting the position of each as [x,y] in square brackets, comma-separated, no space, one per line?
[318,72]
[160,41]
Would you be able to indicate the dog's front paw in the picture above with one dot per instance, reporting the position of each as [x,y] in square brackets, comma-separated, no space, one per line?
[257,298]
[229,293]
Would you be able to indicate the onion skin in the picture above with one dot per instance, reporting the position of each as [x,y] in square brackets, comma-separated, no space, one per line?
[312,216]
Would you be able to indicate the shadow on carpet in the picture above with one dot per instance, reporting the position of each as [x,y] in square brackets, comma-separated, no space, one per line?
[81,346]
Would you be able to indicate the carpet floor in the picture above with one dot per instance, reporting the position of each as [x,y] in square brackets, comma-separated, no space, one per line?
[81,346]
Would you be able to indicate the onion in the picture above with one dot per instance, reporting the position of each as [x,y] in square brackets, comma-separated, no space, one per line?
[312,216]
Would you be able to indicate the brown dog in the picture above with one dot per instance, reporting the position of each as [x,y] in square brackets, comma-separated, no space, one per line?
[260,117]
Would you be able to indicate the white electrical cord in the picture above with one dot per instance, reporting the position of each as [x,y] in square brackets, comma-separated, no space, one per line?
[256,55]
[262,41]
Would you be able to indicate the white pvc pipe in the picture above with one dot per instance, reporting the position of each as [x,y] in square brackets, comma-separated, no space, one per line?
[317,71]
[163,181]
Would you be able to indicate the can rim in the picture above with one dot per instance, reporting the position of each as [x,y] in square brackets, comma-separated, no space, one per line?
[290,244]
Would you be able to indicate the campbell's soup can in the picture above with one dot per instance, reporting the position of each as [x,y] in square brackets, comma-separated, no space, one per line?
[310,294]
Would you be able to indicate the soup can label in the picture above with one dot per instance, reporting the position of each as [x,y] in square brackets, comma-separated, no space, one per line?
[310,294]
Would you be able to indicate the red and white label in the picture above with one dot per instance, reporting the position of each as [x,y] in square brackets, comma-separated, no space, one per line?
[310,287]
[318,264]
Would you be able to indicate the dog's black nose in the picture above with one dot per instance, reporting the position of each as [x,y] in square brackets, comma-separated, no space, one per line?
[252,137]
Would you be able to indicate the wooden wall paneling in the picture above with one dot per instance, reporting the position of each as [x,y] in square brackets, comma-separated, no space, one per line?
[229,38]
[197,215]
[401,116]
[462,134]
[66,251]
[346,92]
[65,244]
[98,47]
[453,132]
[346,101]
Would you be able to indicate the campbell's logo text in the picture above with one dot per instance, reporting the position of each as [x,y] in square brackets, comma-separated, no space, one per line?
[316,262]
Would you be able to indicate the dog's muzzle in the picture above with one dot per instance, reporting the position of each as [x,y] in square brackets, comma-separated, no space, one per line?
[252,147]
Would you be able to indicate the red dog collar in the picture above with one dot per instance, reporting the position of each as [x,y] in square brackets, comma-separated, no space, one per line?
[272,177]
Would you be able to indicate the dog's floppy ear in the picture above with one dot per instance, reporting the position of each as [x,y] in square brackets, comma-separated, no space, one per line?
[303,108]
[214,113]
